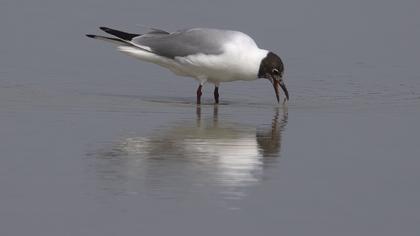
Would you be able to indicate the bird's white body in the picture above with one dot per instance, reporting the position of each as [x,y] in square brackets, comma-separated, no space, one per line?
[240,60]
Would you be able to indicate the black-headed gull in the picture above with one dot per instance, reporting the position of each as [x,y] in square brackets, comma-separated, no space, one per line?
[208,55]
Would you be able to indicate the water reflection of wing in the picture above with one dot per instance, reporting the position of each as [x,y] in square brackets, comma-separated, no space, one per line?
[225,154]
[231,153]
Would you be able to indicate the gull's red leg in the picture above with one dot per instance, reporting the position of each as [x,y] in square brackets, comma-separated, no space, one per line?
[199,94]
[216,94]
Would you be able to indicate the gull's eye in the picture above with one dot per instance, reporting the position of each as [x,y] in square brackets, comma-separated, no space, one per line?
[275,72]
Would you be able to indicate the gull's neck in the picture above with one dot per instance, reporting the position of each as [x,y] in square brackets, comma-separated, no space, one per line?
[251,63]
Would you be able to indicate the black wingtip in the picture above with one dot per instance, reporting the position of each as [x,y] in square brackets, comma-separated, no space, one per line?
[119,34]
[91,36]
[104,28]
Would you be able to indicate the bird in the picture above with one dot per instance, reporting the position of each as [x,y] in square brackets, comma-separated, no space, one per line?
[206,54]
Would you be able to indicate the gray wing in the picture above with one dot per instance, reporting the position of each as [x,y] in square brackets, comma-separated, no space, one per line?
[185,42]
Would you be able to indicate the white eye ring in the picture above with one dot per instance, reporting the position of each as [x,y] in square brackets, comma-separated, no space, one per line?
[275,71]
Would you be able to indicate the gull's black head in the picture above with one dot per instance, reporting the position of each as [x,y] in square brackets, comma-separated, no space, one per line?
[272,68]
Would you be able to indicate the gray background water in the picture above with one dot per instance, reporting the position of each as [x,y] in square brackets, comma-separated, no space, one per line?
[96,143]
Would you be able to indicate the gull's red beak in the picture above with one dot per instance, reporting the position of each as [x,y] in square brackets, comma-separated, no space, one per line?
[283,86]
[279,83]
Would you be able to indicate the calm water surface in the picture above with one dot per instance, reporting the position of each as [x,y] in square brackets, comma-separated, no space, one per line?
[95,143]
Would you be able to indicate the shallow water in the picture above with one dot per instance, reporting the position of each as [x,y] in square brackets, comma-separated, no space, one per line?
[114,165]
[95,143]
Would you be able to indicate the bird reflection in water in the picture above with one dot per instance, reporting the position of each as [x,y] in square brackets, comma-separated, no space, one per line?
[207,155]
